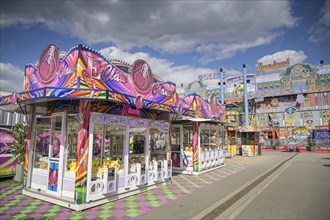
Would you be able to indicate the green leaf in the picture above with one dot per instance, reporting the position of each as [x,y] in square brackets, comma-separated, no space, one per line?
[19,133]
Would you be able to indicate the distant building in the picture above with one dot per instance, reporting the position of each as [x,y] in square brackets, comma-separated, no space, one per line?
[8,118]
[294,100]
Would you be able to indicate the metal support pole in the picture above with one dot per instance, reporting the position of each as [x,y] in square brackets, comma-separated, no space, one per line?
[221,87]
[246,103]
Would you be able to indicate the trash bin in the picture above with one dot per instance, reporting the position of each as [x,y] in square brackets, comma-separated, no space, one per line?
[292,148]
[259,149]
[240,152]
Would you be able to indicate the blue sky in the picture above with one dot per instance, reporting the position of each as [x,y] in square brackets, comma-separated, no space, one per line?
[179,39]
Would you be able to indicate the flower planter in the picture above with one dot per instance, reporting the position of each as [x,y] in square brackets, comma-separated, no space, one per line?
[19,176]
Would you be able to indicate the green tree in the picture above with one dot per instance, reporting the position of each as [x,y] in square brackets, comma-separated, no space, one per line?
[19,132]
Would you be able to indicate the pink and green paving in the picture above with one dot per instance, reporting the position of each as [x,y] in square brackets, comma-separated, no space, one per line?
[14,204]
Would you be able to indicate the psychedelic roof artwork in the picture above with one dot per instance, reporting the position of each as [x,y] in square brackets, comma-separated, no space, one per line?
[83,73]
[201,107]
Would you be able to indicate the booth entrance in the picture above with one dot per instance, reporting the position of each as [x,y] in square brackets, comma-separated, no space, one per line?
[56,155]
[55,137]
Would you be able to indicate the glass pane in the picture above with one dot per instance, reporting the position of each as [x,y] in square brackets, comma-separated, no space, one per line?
[222,139]
[97,161]
[176,159]
[57,123]
[176,151]
[175,139]
[42,140]
[56,136]
[109,142]
[214,139]
[187,156]
[137,143]
[56,143]
[115,141]
[187,136]
[98,140]
[205,143]
[72,136]
[114,144]
[158,144]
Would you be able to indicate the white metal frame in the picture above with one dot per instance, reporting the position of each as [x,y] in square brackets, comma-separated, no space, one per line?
[60,161]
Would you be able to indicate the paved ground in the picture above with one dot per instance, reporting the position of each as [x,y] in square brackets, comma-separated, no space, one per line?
[198,204]
[187,197]
[14,204]
[300,191]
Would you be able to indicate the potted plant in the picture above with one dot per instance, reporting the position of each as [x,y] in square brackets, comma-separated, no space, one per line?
[19,132]
[311,144]
[277,145]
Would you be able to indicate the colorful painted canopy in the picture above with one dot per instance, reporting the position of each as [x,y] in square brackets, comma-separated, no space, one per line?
[83,73]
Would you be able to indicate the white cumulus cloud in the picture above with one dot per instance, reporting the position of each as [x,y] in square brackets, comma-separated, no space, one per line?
[161,67]
[226,27]
[321,31]
[11,77]
[215,52]
[294,57]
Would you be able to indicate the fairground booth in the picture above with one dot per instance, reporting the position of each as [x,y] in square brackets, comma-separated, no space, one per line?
[198,135]
[249,145]
[97,131]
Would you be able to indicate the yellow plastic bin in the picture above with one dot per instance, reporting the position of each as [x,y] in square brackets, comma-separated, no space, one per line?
[233,150]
